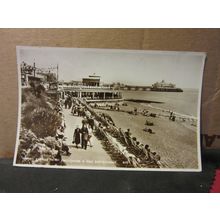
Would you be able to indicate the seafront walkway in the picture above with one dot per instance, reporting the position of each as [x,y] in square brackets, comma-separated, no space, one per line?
[94,156]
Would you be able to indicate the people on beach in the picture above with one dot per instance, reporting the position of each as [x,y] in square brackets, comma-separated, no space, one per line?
[146,152]
[155,157]
[135,111]
[117,107]
[145,112]
[128,133]
[149,130]
[149,123]
[172,116]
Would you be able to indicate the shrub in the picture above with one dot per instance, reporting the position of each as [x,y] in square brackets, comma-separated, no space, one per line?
[35,150]
[43,122]
[30,106]
[25,93]
[38,114]
[51,142]
[27,137]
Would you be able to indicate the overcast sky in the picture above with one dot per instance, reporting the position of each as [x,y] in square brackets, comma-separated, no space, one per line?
[126,66]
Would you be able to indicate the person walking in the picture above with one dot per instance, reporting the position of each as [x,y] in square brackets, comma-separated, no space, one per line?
[84,136]
[69,103]
[90,135]
[65,103]
[76,136]
[79,110]
[91,122]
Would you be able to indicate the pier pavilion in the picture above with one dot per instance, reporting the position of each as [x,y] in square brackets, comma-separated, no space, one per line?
[91,93]
[91,90]
[92,80]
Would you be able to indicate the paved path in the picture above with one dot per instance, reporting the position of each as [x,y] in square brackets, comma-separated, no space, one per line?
[94,156]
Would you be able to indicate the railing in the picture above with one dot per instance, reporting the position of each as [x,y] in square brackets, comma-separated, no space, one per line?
[85,87]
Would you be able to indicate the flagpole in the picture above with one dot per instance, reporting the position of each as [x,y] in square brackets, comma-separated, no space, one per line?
[57,73]
[34,69]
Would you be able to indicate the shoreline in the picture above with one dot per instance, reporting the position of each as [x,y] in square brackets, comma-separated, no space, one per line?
[168,111]
[184,103]
[144,106]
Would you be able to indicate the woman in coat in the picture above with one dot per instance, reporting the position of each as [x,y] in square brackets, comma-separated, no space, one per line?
[76,136]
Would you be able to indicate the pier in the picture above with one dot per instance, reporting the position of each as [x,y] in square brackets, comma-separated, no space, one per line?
[136,88]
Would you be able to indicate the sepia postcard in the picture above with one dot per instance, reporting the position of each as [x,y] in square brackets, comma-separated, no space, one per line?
[109,109]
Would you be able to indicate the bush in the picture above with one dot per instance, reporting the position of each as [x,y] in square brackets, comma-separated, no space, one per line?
[30,106]
[33,150]
[38,114]
[27,138]
[43,122]
[25,94]
[51,142]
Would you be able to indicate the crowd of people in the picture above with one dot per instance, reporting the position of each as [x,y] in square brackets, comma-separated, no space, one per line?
[116,107]
[106,106]
[135,111]
[82,135]
[143,154]
[102,125]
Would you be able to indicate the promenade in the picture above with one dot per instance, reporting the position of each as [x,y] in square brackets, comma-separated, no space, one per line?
[94,156]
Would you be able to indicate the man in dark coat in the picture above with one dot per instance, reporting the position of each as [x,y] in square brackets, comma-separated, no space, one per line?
[66,103]
[84,136]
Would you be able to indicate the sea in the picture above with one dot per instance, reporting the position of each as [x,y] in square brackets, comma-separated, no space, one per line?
[185,102]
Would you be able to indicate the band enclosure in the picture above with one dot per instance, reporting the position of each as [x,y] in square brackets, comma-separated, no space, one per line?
[204,40]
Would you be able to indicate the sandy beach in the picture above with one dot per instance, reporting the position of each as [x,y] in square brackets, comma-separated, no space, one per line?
[169,140]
